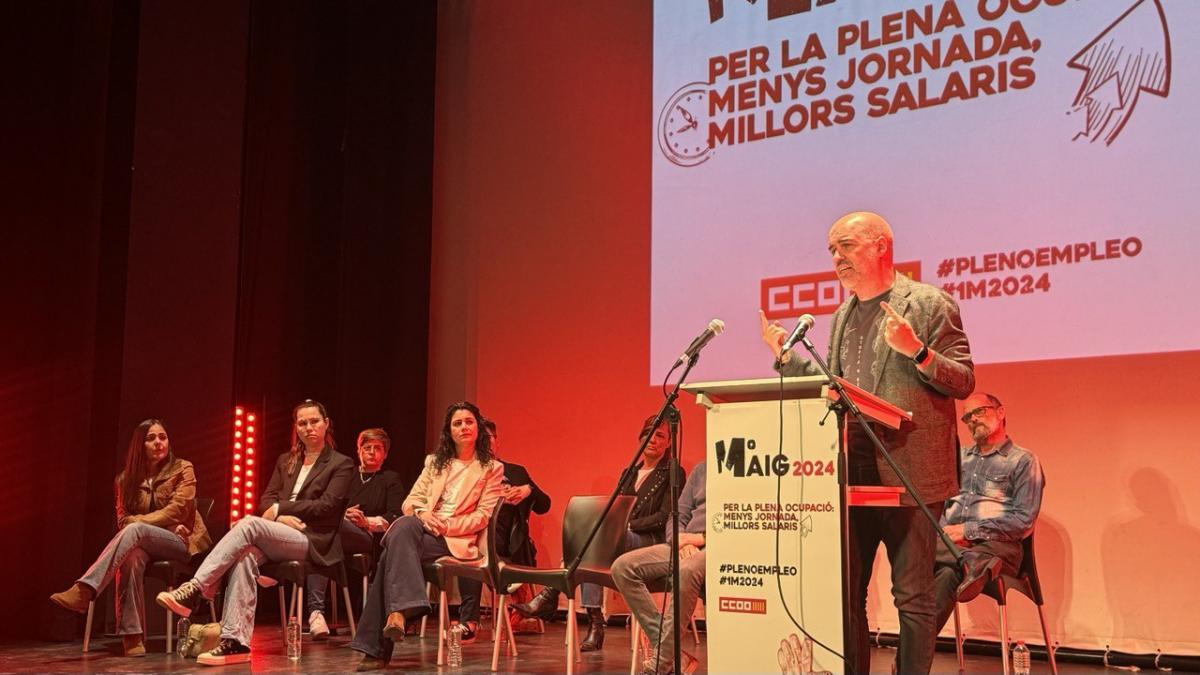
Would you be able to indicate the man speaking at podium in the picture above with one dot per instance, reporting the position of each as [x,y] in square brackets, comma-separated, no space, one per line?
[903,341]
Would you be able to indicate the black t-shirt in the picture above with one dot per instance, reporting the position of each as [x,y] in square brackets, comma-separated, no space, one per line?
[858,342]
[377,494]
[858,358]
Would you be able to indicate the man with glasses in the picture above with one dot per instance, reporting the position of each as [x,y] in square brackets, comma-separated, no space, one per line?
[997,507]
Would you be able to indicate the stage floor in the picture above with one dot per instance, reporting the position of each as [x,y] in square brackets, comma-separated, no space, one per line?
[537,654]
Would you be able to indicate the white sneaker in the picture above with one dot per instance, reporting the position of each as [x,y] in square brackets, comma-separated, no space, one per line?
[317,627]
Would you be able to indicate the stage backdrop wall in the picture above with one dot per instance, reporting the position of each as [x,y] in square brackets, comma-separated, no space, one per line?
[541,312]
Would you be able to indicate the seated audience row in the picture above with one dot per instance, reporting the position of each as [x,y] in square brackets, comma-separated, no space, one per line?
[315,507]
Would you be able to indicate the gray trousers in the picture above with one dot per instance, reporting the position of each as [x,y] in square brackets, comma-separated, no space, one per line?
[948,575]
[634,569]
[354,540]
[251,542]
[125,558]
[399,584]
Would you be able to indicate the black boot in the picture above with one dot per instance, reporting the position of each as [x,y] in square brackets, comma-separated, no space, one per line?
[595,637]
[542,606]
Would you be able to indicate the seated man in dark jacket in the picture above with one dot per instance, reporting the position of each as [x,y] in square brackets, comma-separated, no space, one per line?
[521,496]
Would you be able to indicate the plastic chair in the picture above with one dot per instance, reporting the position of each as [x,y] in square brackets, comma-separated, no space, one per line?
[362,564]
[1026,583]
[596,566]
[169,572]
[296,573]
[486,571]
[432,578]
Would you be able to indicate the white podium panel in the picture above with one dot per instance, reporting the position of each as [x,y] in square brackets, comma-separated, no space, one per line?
[773,538]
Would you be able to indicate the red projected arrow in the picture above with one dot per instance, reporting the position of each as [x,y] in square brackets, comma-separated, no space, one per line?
[1132,55]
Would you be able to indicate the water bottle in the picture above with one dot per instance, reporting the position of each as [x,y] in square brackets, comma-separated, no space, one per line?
[181,637]
[454,646]
[293,639]
[1020,658]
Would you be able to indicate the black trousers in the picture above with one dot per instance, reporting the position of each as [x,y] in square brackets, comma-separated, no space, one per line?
[910,541]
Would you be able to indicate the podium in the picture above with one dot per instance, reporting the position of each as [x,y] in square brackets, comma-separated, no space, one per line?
[776,533]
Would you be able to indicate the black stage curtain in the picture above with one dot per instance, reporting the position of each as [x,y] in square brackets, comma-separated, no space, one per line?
[334,288]
[203,205]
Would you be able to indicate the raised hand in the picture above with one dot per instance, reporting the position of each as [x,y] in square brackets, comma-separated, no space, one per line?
[773,333]
[899,333]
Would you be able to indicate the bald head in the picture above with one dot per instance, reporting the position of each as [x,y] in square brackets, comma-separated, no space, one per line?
[861,246]
[869,225]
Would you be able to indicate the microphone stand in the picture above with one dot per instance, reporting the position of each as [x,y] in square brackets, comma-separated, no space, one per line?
[668,412]
[847,403]
[673,514]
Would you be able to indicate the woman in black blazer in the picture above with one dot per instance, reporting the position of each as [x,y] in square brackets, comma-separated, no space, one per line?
[649,481]
[301,512]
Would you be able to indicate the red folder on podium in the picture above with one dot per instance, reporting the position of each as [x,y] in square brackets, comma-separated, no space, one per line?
[877,410]
[872,406]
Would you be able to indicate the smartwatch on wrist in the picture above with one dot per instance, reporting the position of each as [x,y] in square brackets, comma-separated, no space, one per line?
[921,355]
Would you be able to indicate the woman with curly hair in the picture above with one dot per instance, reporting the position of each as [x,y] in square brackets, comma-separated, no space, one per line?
[444,514]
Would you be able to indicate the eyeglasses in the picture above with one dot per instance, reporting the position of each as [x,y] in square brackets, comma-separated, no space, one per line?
[311,422]
[978,412]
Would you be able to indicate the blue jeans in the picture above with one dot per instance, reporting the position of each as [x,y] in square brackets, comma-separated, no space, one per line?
[251,542]
[125,557]
[399,583]
[354,540]
[590,595]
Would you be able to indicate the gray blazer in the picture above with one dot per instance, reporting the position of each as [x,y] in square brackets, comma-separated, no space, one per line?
[927,448]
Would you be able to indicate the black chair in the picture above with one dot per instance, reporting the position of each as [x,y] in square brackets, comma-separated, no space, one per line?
[1026,583]
[296,572]
[363,565]
[170,572]
[432,580]
[596,566]
[485,570]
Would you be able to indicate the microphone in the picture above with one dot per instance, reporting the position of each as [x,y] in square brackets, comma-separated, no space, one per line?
[715,328]
[802,326]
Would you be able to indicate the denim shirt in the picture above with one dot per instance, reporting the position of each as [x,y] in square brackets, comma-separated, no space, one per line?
[1001,494]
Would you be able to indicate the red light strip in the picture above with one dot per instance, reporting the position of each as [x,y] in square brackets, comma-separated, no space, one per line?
[241,490]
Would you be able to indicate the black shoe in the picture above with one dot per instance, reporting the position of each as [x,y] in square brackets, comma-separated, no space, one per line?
[370,663]
[182,600]
[228,651]
[467,632]
[978,572]
[542,606]
[595,638]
